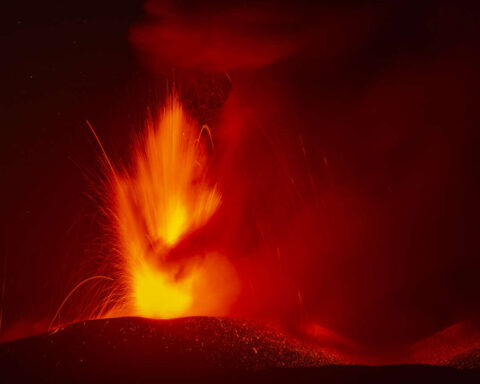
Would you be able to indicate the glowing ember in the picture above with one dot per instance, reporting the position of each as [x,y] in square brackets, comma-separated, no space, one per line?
[163,198]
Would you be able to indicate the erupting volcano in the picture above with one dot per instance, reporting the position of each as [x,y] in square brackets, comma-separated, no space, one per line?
[242,190]
[164,196]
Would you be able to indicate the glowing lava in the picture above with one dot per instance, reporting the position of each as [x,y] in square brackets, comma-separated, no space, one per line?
[161,199]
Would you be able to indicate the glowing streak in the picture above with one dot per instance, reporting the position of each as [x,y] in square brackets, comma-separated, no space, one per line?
[206,129]
[72,292]
[162,198]
[105,156]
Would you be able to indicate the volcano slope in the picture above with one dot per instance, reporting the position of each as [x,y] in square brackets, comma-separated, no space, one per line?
[204,349]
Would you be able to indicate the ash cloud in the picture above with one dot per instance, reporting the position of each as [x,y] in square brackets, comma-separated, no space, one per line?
[346,140]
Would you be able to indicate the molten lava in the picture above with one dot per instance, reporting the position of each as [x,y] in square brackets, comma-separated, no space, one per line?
[160,200]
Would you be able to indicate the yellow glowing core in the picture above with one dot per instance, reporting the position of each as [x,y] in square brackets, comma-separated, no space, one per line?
[164,197]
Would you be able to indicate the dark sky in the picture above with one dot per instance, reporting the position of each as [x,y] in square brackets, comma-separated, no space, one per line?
[372,110]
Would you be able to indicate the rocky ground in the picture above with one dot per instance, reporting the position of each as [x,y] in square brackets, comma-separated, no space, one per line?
[204,349]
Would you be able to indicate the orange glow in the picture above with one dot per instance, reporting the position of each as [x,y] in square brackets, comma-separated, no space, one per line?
[163,198]
[157,296]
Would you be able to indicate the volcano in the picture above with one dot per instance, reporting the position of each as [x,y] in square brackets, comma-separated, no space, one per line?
[204,349]
[179,176]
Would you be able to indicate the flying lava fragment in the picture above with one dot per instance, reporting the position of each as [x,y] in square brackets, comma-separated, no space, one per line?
[164,196]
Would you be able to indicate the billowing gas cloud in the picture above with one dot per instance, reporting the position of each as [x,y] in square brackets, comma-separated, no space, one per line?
[344,149]
[241,35]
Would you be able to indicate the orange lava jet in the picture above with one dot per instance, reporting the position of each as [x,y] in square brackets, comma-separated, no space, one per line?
[160,200]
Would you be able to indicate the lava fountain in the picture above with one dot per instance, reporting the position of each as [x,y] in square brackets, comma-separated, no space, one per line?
[164,196]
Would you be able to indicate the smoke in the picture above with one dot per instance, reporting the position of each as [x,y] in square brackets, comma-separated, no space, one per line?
[344,146]
[344,149]
[241,35]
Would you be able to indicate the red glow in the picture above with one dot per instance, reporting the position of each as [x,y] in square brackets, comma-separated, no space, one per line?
[330,192]
[164,197]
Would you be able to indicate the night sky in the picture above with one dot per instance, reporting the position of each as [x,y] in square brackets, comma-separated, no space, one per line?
[347,140]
